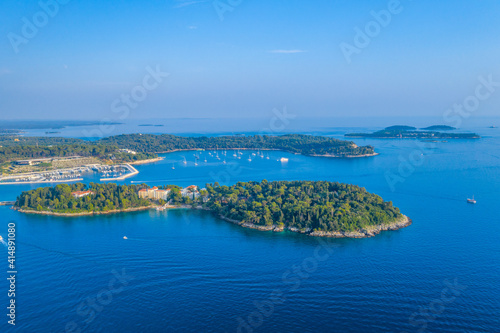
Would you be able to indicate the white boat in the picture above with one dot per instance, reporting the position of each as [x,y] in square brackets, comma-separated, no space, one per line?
[224,162]
[283,159]
[173,167]
[125,237]
[471,201]
[250,158]
[185,162]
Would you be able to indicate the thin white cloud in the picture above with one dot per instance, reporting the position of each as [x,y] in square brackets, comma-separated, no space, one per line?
[5,71]
[287,51]
[184,3]
[192,27]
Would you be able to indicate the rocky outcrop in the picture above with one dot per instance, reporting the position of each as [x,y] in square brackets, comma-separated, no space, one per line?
[366,232]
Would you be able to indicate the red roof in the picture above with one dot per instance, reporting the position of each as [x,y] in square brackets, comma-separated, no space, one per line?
[155,188]
[143,190]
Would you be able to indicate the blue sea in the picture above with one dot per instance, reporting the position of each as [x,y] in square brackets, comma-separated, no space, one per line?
[188,271]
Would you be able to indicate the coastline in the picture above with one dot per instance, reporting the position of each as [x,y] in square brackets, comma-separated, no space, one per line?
[270,149]
[114,211]
[151,160]
[345,156]
[370,231]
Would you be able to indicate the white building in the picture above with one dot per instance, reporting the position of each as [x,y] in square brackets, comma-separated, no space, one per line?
[154,193]
[190,192]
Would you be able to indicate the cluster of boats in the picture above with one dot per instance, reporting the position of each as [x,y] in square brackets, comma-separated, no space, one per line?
[49,176]
[110,170]
[71,174]
[223,154]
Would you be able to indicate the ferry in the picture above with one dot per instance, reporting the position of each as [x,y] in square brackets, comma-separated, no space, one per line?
[471,201]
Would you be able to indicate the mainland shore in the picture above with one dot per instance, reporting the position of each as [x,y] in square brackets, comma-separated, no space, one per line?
[266,149]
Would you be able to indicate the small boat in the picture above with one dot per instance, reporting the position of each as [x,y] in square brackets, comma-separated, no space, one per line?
[173,167]
[1,238]
[224,162]
[125,237]
[205,160]
[283,159]
[471,201]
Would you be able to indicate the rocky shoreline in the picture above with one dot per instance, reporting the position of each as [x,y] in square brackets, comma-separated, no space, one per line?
[346,156]
[364,233]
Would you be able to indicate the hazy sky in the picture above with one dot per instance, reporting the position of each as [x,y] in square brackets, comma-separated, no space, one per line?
[242,58]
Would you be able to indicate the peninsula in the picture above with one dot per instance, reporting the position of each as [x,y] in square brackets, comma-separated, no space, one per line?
[408,132]
[293,143]
[314,208]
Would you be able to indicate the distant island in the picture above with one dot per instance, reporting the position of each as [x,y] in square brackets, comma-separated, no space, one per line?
[50,124]
[150,125]
[400,128]
[408,132]
[439,128]
[314,208]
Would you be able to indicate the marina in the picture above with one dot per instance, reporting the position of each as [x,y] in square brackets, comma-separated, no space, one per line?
[110,173]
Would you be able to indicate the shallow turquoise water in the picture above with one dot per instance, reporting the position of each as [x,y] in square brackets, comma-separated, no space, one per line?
[195,273]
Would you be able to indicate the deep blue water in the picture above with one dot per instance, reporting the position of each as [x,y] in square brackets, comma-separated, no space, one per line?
[195,273]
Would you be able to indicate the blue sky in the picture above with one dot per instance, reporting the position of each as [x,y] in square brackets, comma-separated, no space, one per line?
[262,55]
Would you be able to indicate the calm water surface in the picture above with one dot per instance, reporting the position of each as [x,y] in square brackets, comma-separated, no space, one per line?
[187,271]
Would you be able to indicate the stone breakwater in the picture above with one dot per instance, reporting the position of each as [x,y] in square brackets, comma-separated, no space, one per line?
[363,233]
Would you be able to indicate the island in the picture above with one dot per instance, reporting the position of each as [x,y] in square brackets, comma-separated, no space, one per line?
[400,128]
[439,128]
[314,208]
[408,132]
